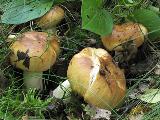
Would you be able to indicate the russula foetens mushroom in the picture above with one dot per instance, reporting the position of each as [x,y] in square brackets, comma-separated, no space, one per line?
[34,52]
[51,19]
[93,75]
[123,33]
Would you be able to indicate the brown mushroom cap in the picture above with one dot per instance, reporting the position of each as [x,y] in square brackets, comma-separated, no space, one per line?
[34,51]
[51,18]
[93,75]
[123,33]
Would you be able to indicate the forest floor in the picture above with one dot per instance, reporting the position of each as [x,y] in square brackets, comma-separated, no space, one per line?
[142,73]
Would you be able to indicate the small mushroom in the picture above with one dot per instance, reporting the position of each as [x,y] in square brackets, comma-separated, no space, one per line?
[34,52]
[51,19]
[122,33]
[126,37]
[93,75]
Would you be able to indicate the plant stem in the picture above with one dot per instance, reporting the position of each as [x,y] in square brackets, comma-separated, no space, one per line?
[33,80]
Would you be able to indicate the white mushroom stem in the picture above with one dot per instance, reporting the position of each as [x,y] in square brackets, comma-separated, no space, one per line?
[33,80]
[62,91]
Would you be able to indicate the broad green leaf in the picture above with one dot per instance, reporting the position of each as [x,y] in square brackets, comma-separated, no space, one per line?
[150,20]
[21,11]
[95,18]
[151,96]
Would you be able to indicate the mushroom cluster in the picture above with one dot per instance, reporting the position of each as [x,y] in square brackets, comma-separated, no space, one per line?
[93,75]
[51,19]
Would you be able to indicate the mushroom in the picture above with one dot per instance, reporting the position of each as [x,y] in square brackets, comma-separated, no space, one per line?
[51,19]
[34,52]
[94,76]
[126,37]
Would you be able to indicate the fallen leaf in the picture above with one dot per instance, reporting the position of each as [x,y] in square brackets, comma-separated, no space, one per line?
[102,114]
[151,96]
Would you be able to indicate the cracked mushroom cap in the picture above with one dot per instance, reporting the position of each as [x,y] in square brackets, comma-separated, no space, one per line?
[51,18]
[34,51]
[123,33]
[93,75]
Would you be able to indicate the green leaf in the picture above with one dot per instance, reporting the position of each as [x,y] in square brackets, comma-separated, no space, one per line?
[91,111]
[151,96]
[150,20]
[21,11]
[95,18]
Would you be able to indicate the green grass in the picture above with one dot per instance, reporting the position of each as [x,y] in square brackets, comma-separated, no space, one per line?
[14,103]
[154,113]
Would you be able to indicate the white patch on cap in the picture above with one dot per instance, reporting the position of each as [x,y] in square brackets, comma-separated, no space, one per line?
[95,69]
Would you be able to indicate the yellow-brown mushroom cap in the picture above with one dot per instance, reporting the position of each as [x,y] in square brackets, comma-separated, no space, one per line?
[93,75]
[123,33]
[51,18]
[34,51]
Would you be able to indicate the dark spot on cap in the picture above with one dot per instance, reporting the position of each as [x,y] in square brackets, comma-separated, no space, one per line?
[102,72]
[25,57]
[26,62]
[92,66]
[22,55]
